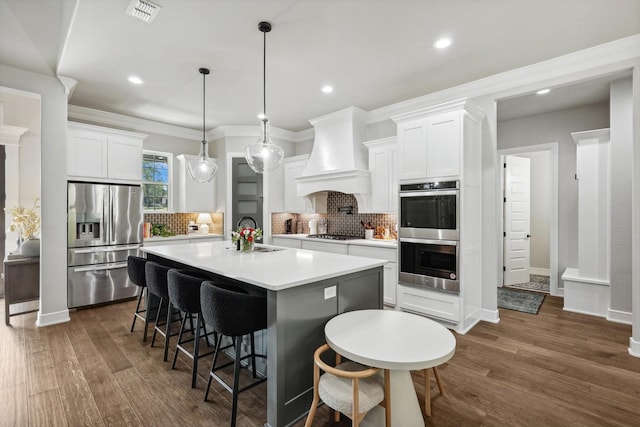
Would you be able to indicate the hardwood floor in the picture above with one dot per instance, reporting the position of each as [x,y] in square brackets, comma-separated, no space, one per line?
[551,369]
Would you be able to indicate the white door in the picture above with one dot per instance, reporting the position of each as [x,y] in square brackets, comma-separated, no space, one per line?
[516,220]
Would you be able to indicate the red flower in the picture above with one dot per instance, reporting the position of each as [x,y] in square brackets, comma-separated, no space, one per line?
[250,239]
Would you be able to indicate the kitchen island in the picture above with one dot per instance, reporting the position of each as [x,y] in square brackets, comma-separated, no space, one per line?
[304,289]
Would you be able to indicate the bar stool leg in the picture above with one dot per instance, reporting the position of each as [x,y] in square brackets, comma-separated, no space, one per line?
[236,381]
[196,351]
[175,354]
[153,338]
[135,314]
[253,356]
[167,331]
[437,375]
[213,365]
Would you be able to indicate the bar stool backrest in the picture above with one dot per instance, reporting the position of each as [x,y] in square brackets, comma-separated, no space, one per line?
[135,269]
[184,289]
[231,310]
[156,277]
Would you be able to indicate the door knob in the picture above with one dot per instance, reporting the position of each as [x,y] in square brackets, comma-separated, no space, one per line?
[528,235]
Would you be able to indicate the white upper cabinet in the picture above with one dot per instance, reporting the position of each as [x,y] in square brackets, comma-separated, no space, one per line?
[194,196]
[412,137]
[444,138]
[383,166]
[104,154]
[293,168]
[432,141]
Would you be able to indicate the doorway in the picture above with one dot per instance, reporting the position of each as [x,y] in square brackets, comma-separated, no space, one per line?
[529,224]
[247,195]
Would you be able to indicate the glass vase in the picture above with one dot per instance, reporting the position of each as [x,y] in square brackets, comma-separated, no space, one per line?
[246,246]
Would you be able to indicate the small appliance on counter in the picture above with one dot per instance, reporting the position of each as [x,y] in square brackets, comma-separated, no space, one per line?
[288,226]
[313,226]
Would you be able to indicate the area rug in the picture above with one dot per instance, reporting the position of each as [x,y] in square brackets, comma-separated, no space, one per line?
[537,283]
[525,302]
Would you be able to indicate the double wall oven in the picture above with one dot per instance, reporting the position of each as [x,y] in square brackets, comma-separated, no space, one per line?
[429,235]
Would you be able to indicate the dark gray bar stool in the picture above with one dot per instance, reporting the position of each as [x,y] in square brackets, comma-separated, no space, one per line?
[184,294]
[232,312]
[135,269]
[157,284]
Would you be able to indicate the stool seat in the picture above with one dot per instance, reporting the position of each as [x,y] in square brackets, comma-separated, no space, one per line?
[234,313]
[184,295]
[157,284]
[136,272]
[337,392]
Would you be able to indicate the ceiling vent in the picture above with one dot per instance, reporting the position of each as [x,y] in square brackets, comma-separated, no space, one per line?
[144,10]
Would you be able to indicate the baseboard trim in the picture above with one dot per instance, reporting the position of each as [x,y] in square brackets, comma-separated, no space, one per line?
[539,271]
[559,293]
[50,319]
[588,313]
[492,316]
[634,347]
[620,316]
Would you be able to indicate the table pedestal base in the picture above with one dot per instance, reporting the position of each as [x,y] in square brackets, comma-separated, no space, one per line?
[405,409]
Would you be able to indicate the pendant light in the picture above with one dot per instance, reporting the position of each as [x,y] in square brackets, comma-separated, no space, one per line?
[264,156]
[202,168]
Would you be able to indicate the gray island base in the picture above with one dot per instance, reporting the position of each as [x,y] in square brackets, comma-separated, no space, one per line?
[304,290]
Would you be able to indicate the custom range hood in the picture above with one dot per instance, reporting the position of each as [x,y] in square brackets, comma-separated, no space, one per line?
[338,160]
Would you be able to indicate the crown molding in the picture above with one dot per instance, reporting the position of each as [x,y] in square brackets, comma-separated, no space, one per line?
[9,135]
[120,120]
[255,131]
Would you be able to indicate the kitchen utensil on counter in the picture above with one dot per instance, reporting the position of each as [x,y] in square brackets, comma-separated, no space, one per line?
[368,233]
[313,226]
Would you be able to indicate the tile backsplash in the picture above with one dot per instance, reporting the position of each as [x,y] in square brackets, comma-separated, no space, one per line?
[339,221]
[179,222]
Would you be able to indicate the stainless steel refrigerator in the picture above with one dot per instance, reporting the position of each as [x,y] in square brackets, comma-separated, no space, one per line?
[104,228]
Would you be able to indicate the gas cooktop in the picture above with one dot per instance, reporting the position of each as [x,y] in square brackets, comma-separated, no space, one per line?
[333,236]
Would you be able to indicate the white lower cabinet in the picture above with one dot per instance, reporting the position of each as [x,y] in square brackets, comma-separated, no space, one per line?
[182,239]
[335,248]
[287,243]
[432,303]
[390,268]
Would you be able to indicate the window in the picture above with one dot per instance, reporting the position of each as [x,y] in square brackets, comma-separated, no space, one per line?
[156,181]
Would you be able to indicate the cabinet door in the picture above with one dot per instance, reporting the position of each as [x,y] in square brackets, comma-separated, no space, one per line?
[87,154]
[390,283]
[336,248]
[194,196]
[292,170]
[394,155]
[443,145]
[412,142]
[287,243]
[380,178]
[124,158]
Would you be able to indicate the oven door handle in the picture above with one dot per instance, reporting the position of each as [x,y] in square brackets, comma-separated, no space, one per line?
[430,241]
[100,267]
[430,193]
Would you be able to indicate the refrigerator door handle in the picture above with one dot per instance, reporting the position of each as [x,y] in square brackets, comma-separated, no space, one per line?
[100,267]
[105,249]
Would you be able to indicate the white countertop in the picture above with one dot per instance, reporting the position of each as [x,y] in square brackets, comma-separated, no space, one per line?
[391,243]
[269,270]
[181,237]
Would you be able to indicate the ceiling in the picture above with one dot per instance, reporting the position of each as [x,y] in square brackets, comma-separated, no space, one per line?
[374,52]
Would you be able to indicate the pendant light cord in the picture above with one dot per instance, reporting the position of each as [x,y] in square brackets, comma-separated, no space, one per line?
[204,76]
[264,75]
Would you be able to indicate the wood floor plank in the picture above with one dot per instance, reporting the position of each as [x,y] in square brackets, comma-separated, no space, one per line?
[41,375]
[45,409]
[13,406]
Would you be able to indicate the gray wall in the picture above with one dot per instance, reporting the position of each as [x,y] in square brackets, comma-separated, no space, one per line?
[557,127]
[621,176]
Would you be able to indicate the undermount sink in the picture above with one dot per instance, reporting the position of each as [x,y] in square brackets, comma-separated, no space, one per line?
[258,248]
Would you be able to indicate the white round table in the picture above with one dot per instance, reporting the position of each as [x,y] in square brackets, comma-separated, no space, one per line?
[397,341]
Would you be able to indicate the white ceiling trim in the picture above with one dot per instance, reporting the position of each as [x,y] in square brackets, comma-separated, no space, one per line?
[252,131]
[9,135]
[120,120]
[595,61]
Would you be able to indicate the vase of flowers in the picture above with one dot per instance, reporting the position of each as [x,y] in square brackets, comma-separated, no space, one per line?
[245,237]
[26,222]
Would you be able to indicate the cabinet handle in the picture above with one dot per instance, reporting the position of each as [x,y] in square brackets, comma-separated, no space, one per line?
[100,267]
[105,249]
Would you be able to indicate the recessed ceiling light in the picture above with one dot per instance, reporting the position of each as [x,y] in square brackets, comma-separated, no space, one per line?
[442,43]
[327,89]
[135,80]
[543,91]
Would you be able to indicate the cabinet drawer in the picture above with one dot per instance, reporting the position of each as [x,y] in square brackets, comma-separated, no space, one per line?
[287,243]
[390,254]
[335,248]
[431,303]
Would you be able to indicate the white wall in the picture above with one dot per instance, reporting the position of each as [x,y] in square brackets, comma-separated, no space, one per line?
[557,127]
[53,261]
[621,154]
[540,207]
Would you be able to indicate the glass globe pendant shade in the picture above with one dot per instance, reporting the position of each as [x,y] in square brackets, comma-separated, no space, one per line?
[202,168]
[264,156]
